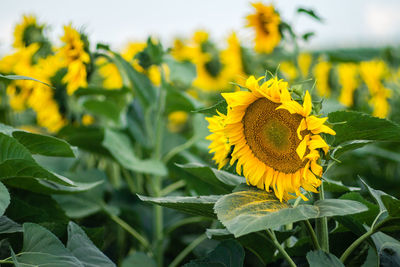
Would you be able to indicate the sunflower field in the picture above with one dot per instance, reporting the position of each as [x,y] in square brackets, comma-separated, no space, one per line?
[195,152]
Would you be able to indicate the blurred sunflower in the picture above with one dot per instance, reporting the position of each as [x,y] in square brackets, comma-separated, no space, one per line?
[109,72]
[373,72]
[275,140]
[348,79]
[321,72]
[26,31]
[76,58]
[265,22]
[304,61]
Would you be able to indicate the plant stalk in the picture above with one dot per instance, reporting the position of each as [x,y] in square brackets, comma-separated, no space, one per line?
[321,226]
[157,185]
[312,234]
[187,250]
[280,248]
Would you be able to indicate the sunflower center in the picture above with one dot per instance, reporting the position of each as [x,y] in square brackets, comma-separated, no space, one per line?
[264,22]
[272,135]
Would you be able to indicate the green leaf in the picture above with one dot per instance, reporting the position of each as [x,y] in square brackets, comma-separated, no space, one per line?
[227,253]
[84,249]
[4,198]
[38,143]
[179,101]
[252,210]
[307,35]
[20,77]
[353,126]
[87,138]
[11,149]
[142,86]
[138,259]
[376,194]
[90,91]
[103,108]
[392,205]
[41,247]
[309,12]
[44,144]
[258,243]
[122,150]
[337,186]
[221,180]
[9,226]
[321,258]
[86,203]
[30,176]
[221,106]
[389,254]
[200,205]
[181,72]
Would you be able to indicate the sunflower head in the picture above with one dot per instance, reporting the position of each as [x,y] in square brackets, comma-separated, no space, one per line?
[273,140]
[265,22]
[75,46]
[27,32]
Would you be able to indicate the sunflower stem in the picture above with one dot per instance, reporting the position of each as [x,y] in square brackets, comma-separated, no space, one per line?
[280,248]
[321,226]
[157,185]
[181,256]
[312,234]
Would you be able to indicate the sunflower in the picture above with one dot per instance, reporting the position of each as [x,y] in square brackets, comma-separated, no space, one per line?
[373,72]
[76,58]
[266,25]
[20,36]
[109,72]
[219,142]
[348,78]
[275,140]
[304,61]
[321,73]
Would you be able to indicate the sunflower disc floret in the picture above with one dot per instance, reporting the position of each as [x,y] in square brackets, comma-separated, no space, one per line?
[273,140]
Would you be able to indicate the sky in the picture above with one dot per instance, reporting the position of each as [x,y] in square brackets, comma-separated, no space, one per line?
[347,23]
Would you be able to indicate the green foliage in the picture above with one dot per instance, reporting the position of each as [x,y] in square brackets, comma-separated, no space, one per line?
[251,210]
[321,258]
[227,253]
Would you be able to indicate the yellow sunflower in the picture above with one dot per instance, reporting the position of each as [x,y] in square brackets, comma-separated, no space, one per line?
[219,142]
[304,61]
[348,78]
[19,30]
[373,72]
[266,25]
[275,140]
[321,73]
[76,58]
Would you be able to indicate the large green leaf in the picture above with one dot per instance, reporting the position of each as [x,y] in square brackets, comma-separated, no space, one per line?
[201,205]
[12,149]
[4,199]
[221,180]
[9,226]
[389,254]
[321,258]
[227,253]
[20,77]
[122,150]
[103,108]
[392,205]
[221,107]
[252,210]
[181,72]
[84,249]
[39,143]
[258,243]
[30,176]
[141,84]
[44,145]
[351,126]
[41,247]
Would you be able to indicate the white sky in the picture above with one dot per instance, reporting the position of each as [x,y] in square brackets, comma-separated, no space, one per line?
[347,22]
